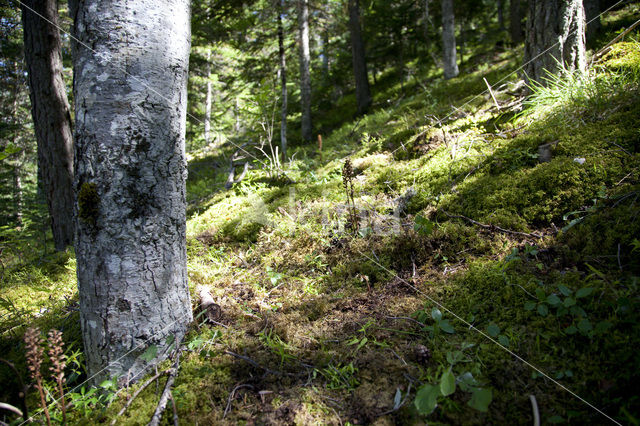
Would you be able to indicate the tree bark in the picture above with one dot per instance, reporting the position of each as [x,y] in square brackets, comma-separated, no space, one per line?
[450,64]
[207,105]
[283,82]
[51,116]
[555,39]
[363,93]
[305,76]
[131,93]
[592,14]
[515,21]
[501,14]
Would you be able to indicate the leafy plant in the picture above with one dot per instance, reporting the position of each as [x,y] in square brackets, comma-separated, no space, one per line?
[440,323]
[339,377]
[277,345]
[429,395]
[423,226]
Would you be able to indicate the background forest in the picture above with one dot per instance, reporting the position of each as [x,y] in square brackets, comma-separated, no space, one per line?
[459,250]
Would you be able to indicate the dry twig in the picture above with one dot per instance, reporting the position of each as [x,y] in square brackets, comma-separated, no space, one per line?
[164,398]
[492,227]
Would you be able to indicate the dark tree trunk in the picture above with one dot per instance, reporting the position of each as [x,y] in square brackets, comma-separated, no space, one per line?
[555,38]
[592,13]
[515,21]
[501,14]
[325,55]
[363,93]
[283,82]
[131,93]
[207,102]
[450,64]
[51,117]
[305,75]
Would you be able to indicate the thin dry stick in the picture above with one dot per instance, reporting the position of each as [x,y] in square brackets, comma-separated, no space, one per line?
[175,410]
[9,407]
[136,393]
[22,391]
[492,227]
[162,404]
[536,413]
[231,396]
[495,101]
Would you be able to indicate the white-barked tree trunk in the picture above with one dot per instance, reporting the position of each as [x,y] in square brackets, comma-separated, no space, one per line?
[130,94]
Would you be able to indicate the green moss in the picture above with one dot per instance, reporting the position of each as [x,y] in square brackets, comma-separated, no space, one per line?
[88,203]
[624,56]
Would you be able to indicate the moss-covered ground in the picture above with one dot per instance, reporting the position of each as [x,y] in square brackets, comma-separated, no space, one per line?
[501,245]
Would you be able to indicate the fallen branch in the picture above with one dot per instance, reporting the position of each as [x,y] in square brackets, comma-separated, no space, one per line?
[492,227]
[607,47]
[136,393]
[232,180]
[536,413]
[22,391]
[231,396]
[210,309]
[166,393]
[9,407]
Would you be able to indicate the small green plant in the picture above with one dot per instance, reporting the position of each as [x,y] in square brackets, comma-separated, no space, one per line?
[429,395]
[440,323]
[493,330]
[87,400]
[361,340]
[277,345]
[423,226]
[340,376]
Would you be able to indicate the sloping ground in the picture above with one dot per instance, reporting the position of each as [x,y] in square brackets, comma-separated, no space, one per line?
[322,324]
[319,324]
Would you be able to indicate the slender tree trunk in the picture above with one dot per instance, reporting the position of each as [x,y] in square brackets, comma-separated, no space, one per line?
[427,21]
[501,14]
[236,113]
[555,38]
[363,93]
[283,82]
[51,117]
[515,21]
[17,167]
[325,55]
[131,94]
[305,76]
[207,105]
[592,13]
[450,64]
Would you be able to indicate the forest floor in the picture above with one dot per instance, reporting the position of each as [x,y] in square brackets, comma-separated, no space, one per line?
[495,257]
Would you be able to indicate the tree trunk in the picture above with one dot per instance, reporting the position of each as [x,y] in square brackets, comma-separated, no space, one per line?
[555,38]
[131,94]
[50,111]
[501,14]
[450,64]
[363,94]
[592,13]
[283,82]
[325,55]
[207,105]
[515,22]
[305,76]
